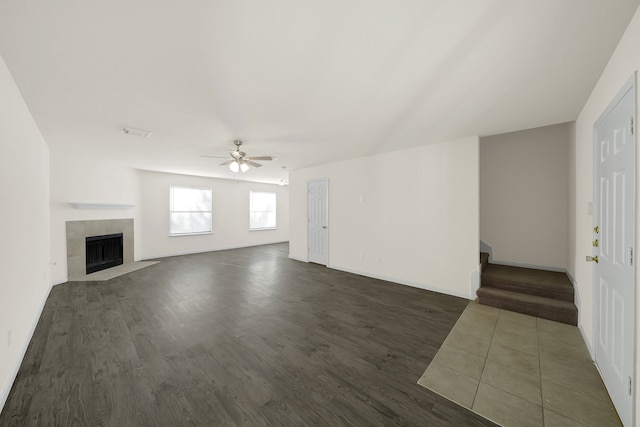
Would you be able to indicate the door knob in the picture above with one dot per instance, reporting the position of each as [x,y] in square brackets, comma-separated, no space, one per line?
[592,259]
[324,226]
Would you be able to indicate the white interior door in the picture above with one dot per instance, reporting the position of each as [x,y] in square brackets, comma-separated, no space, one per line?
[318,220]
[614,222]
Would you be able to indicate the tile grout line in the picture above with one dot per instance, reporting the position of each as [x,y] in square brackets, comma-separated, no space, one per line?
[540,371]
[557,412]
[539,367]
[538,334]
[485,360]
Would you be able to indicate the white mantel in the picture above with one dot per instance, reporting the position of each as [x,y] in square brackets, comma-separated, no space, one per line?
[91,205]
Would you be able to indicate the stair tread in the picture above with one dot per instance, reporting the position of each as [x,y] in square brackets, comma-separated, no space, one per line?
[531,277]
[527,298]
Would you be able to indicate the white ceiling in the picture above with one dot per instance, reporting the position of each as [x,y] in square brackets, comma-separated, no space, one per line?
[307,81]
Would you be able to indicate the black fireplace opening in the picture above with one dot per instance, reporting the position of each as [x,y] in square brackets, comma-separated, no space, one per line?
[104,252]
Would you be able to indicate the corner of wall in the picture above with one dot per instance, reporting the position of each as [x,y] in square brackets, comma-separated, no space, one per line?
[295,258]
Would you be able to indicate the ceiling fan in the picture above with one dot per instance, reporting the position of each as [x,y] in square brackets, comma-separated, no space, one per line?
[239,161]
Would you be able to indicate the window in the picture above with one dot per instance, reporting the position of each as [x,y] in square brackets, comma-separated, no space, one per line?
[190,211]
[262,211]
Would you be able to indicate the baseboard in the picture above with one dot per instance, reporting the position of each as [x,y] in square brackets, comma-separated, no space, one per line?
[6,388]
[577,301]
[486,248]
[475,281]
[424,286]
[295,258]
[586,341]
[533,266]
[59,282]
[570,276]
[226,248]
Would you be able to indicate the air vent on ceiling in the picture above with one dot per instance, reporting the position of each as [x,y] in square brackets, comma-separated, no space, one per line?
[137,132]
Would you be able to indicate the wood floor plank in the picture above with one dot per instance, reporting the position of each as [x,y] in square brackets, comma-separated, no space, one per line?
[238,337]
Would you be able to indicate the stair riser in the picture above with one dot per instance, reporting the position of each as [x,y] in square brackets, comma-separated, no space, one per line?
[565,316]
[527,289]
[484,260]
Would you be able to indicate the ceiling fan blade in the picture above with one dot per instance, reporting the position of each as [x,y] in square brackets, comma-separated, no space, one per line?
[214,157]
[260,158]
[254,164]
[228,162]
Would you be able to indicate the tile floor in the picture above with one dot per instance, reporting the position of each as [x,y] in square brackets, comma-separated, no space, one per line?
[519,370]
[113,272]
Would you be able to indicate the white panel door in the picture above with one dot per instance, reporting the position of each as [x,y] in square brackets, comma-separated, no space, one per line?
[318,220]
[614,227]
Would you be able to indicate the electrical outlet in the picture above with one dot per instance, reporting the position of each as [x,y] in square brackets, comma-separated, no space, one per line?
[9,337]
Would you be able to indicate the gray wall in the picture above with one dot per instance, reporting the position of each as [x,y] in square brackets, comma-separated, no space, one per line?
[524,195]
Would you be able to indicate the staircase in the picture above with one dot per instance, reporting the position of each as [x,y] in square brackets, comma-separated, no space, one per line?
[540,293]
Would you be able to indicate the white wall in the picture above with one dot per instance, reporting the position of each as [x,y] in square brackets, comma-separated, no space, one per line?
[524,191]
[624,61]
[88,180]
[24,247]
[409,216]
[230,215]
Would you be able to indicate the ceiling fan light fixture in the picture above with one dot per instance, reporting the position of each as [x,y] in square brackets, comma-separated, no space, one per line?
[239,161]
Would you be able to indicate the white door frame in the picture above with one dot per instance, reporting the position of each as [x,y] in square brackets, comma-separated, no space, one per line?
[326,182]
[629,85]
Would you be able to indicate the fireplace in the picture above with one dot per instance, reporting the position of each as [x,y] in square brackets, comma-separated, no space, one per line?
[77,233]
[103,252]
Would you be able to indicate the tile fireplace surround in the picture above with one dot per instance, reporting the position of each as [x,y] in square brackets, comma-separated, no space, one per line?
[78,231]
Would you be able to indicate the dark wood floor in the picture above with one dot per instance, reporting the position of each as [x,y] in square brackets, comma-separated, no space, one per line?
[238,337]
